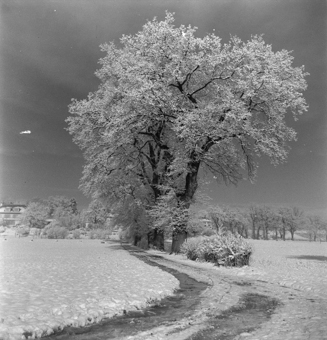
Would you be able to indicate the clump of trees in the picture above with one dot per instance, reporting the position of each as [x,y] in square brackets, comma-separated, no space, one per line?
[171,104]
[265,220]
[59,208]
[316,228]
[57,216]
[36,214]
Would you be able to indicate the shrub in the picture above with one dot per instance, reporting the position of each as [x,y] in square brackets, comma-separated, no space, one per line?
[93,234]
[76,234]
[57,232]
[191,246]
[227,250]
[23,231]
[99,234]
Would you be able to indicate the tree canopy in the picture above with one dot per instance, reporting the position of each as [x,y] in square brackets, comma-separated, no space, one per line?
[170,103]
[64,204]
[35,214]
[97,213]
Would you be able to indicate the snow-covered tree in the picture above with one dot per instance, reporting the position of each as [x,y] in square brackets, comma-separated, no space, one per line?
[96,214]
[64,204]
[35,215]
[170,103]
[314,225]
[292,218]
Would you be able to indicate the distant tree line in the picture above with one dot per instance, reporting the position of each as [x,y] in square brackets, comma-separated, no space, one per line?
[58,215]
[255,221]
[265,222]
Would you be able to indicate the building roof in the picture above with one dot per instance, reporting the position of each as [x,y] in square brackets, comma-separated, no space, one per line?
[4,205]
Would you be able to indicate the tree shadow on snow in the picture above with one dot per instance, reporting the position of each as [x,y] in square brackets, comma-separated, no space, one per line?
[309,257]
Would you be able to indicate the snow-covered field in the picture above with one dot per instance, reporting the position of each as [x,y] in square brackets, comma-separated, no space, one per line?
[46,285]
[300,265]
[273,253]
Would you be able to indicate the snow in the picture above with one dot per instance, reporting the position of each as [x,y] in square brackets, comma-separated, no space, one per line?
[48,284]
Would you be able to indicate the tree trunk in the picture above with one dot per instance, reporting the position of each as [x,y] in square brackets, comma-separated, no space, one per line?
[136,239]
[179,238]
[258,232]
[266,232]
[156,239]
[253,230]
[292,235]
[242,231]
[191,184]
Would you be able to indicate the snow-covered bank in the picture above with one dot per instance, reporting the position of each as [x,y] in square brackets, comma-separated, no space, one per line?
[46,285]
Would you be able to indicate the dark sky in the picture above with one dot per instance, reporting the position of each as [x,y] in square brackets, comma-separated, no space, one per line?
[49,51]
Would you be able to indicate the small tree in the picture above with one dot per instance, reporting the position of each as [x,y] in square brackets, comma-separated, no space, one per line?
[97,213]
[255,218]
[296,217]
[217,217]
[291,218]
[242,223]
[67,206]
[324,227]
[314,225]
[35,215]
[275,219]
[283,212]
[234,221]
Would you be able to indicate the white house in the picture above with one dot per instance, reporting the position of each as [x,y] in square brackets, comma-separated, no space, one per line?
[10,213]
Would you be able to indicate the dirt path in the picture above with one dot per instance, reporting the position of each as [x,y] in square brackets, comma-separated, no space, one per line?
[236,306]
[228,307]
[218,308]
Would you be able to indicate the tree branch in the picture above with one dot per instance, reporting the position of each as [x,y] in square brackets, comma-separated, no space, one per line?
[158,142]
[210,81]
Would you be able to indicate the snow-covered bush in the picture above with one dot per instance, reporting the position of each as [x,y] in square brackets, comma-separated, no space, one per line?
[227,250]
[23,230]
[57,232]
[191,246]
[100,234]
